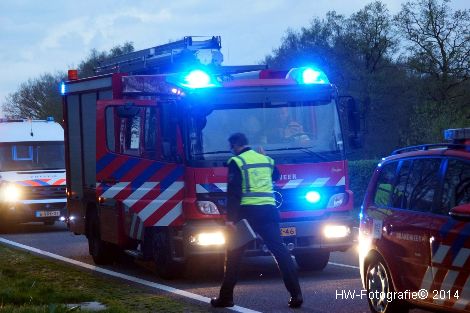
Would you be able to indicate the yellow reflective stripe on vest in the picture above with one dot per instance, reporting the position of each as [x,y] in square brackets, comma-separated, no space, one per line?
[256,170]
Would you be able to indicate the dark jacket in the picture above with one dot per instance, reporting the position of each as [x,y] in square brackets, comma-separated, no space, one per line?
[235,211]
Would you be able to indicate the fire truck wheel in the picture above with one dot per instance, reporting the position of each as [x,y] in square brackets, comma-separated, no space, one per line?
[102,252]
[378,285]
[312,260]
[166,267]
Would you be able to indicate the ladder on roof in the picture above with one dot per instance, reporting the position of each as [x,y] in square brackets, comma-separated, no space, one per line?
[160,58]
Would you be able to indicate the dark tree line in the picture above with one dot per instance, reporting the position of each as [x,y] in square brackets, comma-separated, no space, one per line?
[409,73]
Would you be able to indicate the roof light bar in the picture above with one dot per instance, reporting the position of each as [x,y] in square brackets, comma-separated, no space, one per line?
[307,76]
[457,134]
[198,79]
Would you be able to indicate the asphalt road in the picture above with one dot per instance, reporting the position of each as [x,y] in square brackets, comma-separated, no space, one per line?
[260,287]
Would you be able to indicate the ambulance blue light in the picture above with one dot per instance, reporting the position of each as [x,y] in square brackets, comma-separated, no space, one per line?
[62,88]
[313,196]
[198,79]
[308,76]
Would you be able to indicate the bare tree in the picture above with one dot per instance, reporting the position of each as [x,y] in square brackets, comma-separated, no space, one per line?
[438,45]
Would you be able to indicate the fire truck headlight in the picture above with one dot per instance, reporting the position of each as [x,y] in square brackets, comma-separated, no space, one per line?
[10,193]
[337,200]
[313,196]
[207,207]
[208,239]
[336,231]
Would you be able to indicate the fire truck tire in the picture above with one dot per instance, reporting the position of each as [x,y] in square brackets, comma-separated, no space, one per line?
[102,252]
[312,260]
[378,279]
[166,267]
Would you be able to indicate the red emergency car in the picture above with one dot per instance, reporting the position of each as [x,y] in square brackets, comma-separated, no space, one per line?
[415,228]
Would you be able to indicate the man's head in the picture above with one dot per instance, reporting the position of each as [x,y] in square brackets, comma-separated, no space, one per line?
[238,142]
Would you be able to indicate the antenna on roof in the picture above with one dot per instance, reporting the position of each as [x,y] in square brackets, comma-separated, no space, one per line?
[31,123]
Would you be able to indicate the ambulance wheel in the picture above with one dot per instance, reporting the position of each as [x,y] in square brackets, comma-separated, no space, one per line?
[102,252]
[312,260]
[166,267]
[378,284]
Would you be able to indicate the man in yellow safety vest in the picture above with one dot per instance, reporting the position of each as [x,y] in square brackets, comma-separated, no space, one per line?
[250,196]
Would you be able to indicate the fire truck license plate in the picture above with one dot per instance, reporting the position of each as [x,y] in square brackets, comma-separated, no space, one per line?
[288,231]
[47,213]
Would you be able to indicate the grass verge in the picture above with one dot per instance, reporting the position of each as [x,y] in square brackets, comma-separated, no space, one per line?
[29,283]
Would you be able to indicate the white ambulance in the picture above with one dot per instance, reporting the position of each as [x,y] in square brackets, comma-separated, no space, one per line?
[32,171]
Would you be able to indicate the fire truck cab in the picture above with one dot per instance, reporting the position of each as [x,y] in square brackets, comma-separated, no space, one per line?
[146,151]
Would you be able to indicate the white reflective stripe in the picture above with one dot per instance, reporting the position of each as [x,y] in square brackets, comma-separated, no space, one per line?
[342,181]
[114,189]
[97,185]
[428,278]
[61,200]
[200,189]
[153,206]
[464,296]
[139,193]
[447,284]
[222,186]
[320,182]
[134,219]
[440,254]
[293,183]
[461,257]
[170,216]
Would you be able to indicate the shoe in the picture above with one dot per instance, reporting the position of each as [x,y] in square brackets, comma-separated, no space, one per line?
[295,301]
[220,303]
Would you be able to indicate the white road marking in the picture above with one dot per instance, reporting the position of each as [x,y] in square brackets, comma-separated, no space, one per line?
[122,276]
[344,265]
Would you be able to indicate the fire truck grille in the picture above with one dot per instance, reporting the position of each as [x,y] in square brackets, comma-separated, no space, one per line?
[43,192]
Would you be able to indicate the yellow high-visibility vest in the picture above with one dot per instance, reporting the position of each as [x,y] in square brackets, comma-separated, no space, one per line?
[256,170]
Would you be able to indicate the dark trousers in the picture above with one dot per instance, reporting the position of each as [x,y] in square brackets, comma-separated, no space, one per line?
[270,233]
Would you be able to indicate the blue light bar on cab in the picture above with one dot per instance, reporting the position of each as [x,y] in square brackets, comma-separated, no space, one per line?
[197,79]
[62,88]
[307,76]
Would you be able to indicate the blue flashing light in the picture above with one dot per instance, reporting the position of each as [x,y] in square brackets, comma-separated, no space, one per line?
[308,76]
[198,79]
[313,196]
[50,119]
[62,88]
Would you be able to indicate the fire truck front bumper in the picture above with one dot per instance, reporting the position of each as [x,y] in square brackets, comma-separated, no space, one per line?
[23,211]
[331,234]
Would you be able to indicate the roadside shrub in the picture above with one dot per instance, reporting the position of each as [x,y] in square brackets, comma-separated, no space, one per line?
[360,172]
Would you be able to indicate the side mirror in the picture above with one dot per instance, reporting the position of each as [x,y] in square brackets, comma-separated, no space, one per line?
[353,116]
[128,110]
[461,212]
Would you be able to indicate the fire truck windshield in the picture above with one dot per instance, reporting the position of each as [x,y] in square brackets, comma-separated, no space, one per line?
[306,129]
[31,156]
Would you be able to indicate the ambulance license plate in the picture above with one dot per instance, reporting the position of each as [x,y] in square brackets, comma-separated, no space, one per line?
[47,213]
[288,231]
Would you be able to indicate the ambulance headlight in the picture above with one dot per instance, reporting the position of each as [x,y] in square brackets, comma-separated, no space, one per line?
[336,231]
[313,196]
[208,239]
[10,193]
[207,207]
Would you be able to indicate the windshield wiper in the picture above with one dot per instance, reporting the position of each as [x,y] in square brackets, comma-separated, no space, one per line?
[306,150]
[212,152]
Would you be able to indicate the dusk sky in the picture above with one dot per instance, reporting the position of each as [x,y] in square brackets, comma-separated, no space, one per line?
[49,36]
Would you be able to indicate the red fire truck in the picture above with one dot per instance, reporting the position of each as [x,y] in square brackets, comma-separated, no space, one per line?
[146,149]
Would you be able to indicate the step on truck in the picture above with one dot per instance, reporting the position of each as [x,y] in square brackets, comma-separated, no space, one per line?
[146,151]
[32,171]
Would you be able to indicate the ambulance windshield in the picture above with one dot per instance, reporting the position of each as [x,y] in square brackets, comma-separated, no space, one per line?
[31,156]
[290,128]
